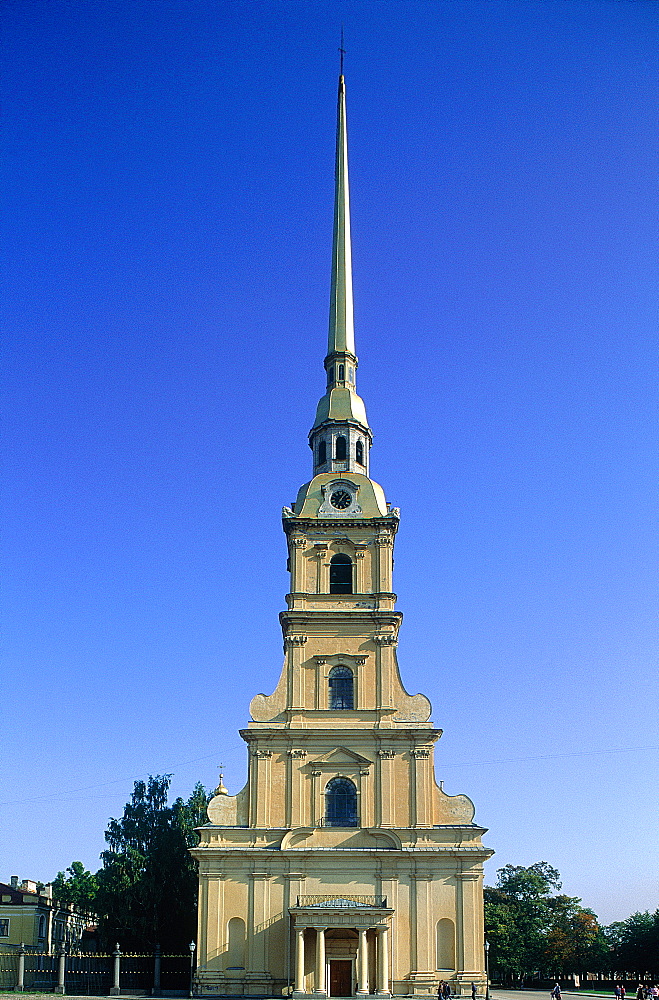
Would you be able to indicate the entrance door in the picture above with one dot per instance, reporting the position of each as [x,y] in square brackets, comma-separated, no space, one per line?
[340,978]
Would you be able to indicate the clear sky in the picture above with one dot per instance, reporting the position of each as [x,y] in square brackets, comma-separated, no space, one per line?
[168,182]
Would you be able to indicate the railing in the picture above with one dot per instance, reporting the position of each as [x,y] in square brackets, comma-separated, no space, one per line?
[344,901]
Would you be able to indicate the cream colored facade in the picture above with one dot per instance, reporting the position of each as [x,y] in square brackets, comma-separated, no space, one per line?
[341,868]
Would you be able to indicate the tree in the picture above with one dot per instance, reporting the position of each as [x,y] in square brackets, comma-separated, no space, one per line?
[517,918]
[77,886]
[634,944]
[532,931]
[147,888]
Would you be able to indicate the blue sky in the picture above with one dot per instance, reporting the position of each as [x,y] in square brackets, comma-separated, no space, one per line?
[167,225]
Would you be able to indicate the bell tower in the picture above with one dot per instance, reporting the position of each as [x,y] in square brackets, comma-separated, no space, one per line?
[342,868]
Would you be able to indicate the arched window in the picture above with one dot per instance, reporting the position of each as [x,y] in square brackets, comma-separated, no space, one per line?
[322,453]
[340,803]
[42,926]
[331,374]
[340,574]
[340,449]
[341,685]
[342,373]
[360,452]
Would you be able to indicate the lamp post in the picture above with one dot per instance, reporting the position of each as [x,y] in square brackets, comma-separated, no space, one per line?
[192,947]
[487,969]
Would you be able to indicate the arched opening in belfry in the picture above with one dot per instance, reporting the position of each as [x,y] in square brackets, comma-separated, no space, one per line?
[359,452]
[340,803]
[322,453]
[340,449]
[341,688]
[340,574]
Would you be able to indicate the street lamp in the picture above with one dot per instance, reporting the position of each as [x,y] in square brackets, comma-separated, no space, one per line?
[487,969]
[192,947]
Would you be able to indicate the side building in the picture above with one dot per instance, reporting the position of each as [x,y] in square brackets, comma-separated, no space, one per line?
[30,916]
[342,868]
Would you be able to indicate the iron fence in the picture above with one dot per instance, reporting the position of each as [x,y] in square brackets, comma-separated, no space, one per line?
[93,974]
[343,901]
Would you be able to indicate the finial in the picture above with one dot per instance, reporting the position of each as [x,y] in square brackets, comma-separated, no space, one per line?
[221,790]
[342,51]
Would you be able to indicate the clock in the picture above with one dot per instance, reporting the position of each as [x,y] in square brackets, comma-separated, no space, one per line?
[340,499]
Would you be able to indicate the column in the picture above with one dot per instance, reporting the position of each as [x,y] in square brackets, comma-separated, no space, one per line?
[320,961]
[363,963]
[383,960]
[294,649]
[261,813]
[20,982]
[61,970]
[384,795]
[422,787]
[296,547]
[365,813]
[299,960]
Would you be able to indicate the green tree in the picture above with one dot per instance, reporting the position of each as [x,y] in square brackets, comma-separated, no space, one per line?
[147,888]
[517,919]
[78,886]
[634,944]
[533,928]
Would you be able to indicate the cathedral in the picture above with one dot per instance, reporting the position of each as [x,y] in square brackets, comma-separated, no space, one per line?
[342,868]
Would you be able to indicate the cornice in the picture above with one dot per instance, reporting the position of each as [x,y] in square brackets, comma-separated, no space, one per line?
[338,527]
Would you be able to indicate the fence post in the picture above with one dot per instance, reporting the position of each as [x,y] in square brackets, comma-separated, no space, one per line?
[115,991]
[61,968]
[156,971]
[20,982]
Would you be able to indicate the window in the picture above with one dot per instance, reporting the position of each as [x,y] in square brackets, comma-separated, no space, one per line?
[340,574]
[342,373]
[42,926]
[340,803]
[331,374]
[360,452]
[341,688]
[4,927]
[322,453]
[340,449]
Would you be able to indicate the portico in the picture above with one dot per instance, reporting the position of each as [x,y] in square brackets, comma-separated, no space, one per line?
[348,938]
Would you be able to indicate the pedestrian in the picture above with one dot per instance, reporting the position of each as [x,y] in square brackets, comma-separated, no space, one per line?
[556,992]
[473,991]
[616,990]
[623,992]
[447,991]
[440,989]
[640,992]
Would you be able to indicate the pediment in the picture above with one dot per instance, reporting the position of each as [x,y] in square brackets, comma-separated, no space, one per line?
[340,757]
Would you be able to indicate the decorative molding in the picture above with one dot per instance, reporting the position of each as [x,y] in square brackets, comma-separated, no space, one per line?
[422,752]
[385,639]
[297,753]
[384,540]
[359,553]
[360,660]
[320,661]
[316,774]
[387,754]
[295,640]
[262,754]
[364,771]
[298,541]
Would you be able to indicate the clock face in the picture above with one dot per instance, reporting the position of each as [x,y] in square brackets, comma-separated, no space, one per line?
[341,499]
